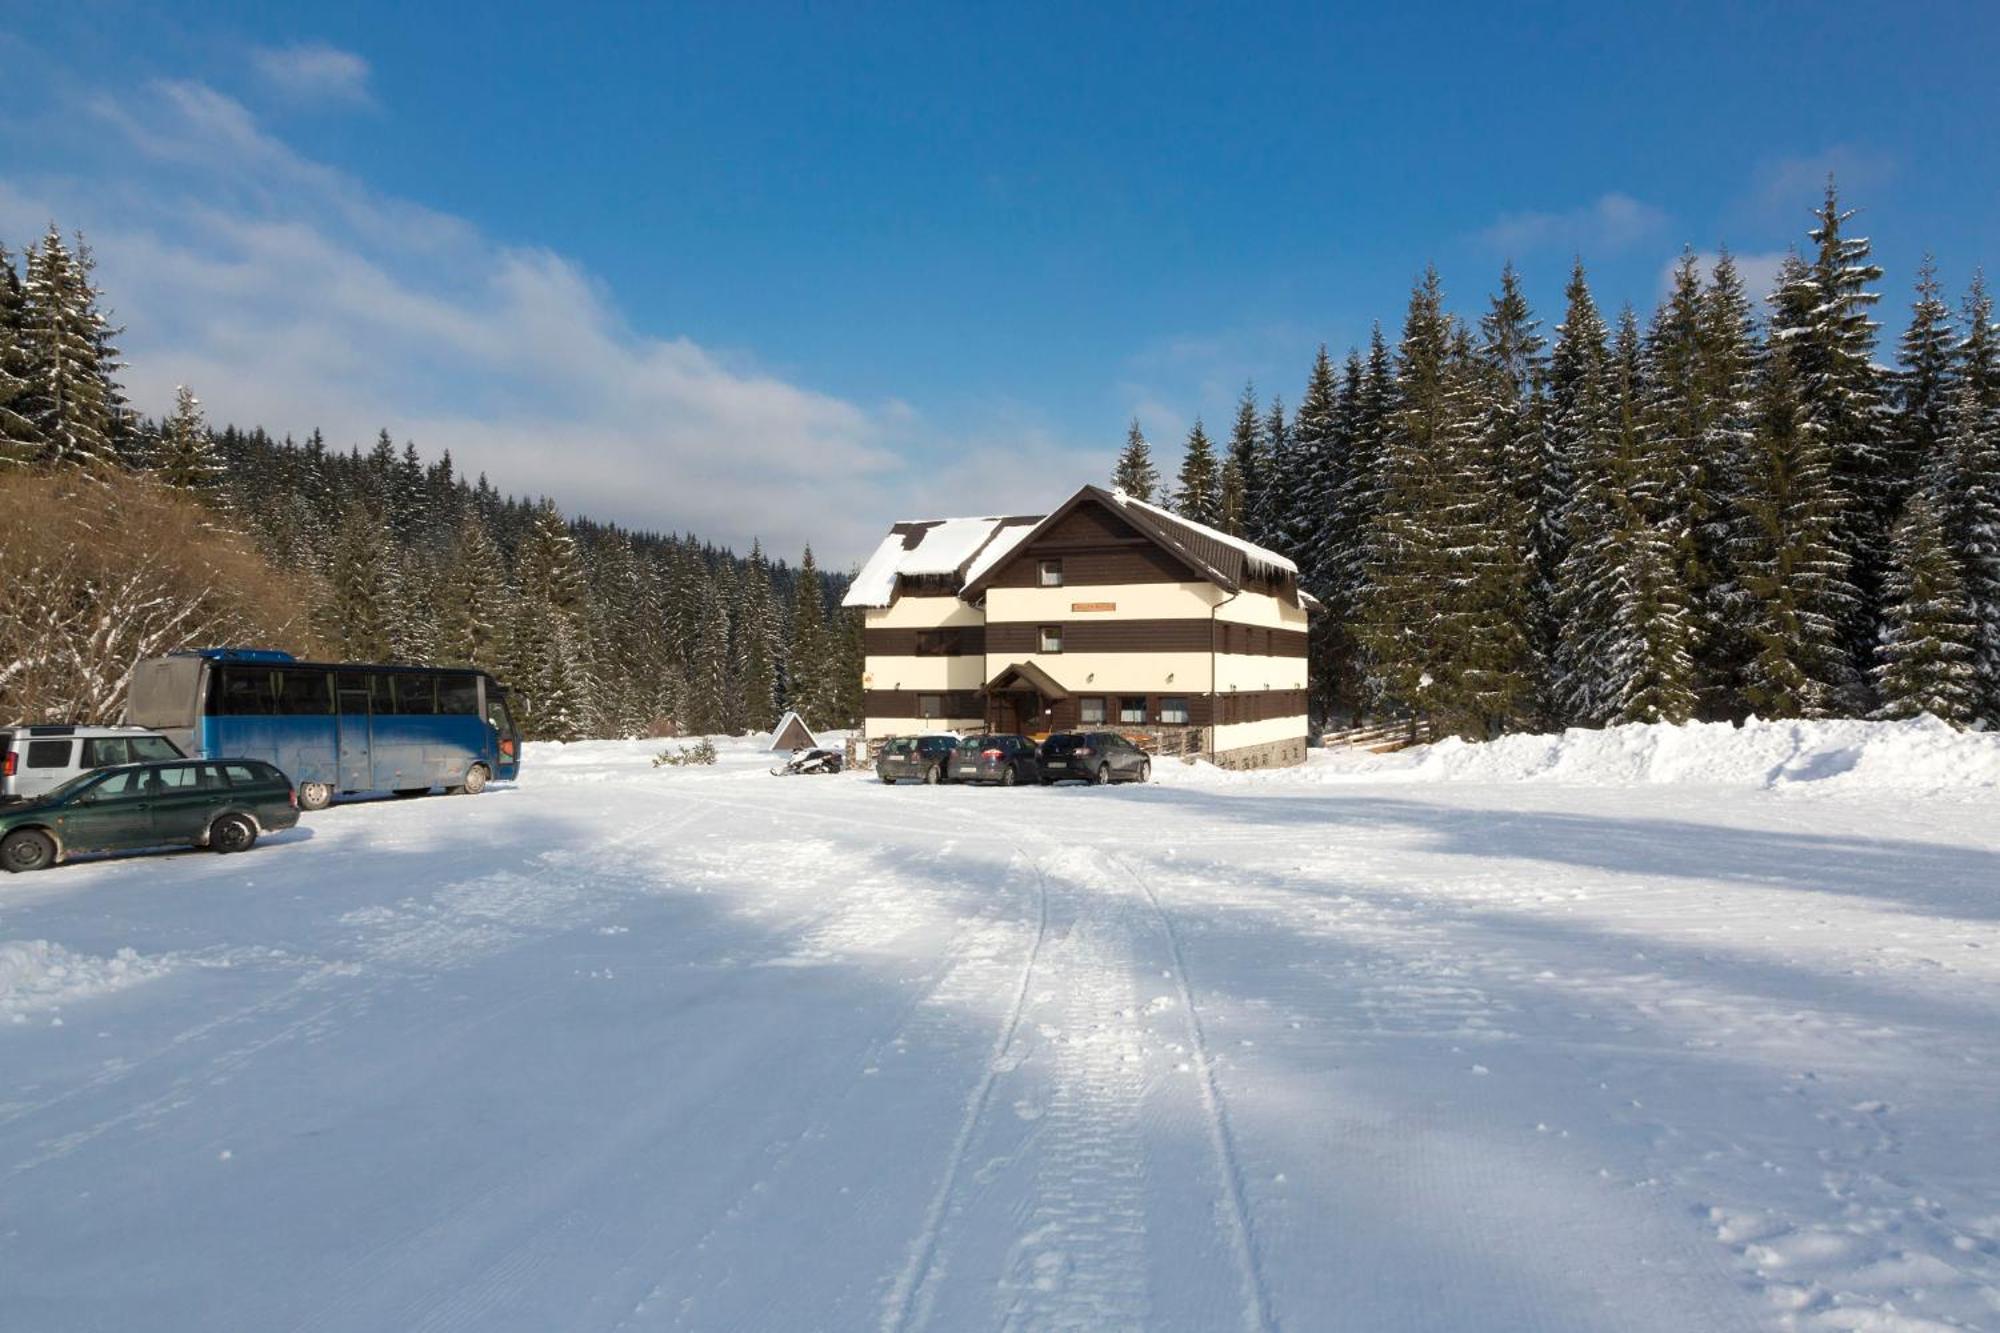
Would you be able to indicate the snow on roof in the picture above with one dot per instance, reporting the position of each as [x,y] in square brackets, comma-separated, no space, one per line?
[1258,556]
[996,550]
[928,547]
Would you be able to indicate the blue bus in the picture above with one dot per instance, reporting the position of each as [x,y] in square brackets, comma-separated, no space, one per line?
[333,727]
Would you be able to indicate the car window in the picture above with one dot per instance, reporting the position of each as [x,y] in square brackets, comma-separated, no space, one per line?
[242,775]
[106,752]
[115,787]
[50,754]
[179,777]
[147,749]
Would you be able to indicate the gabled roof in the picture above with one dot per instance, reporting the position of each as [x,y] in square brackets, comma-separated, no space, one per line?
[1032,674]
[1215,556]
[786,723]
[938,547]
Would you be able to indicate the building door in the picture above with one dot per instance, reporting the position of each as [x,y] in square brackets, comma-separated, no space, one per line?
[357,764]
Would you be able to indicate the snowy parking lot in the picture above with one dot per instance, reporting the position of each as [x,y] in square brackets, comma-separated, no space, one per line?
[1526,1039]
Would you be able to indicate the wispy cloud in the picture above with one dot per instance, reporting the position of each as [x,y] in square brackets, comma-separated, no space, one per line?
[1611,223]
[1789,188]
[291,294]
[313,72]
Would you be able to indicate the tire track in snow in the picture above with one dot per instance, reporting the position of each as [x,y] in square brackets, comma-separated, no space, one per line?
[907,1305]
[1256,1298]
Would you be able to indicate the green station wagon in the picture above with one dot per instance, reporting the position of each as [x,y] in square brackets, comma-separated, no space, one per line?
[222,804]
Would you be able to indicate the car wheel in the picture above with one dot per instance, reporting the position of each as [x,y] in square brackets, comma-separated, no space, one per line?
[232,833]
[1145,770]
[315,795]
[27,849]
[1103,775]
[1008,777]
[931,776]
[887,781]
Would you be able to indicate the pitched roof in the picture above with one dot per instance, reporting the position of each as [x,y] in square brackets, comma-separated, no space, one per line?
[1212,555]
[938,547]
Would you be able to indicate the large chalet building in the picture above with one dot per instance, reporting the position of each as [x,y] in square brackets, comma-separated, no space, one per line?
[1106,613]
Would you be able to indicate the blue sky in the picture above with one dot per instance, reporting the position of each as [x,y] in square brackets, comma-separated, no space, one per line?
[796,271]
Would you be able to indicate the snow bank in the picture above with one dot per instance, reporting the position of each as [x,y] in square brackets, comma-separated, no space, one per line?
[1922,755]
[39,974]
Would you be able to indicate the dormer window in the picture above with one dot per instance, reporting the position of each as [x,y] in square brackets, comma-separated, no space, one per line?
[1051,573]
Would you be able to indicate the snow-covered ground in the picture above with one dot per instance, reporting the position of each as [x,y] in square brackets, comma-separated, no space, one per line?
[1646,1031]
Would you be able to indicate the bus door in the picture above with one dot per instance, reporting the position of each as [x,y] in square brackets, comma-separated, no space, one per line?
[357,763]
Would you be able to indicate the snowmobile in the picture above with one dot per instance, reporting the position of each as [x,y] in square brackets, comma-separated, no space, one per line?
[809,761]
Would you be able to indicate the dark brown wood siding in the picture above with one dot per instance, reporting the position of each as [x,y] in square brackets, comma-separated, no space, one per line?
[1097,548]
[1258,641]
[1258,706]
[908,703]
[903,642]
[1102,634]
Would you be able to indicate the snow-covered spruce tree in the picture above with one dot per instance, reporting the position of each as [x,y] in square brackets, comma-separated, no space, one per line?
[1263,519]
[1677,420]
[473,601]
[1729,352]
[1965,482]
[185,456]
[1512,368]
[1921,387]
[1356,500]
[708,671]
[69,399]
[552,656]
[361,589]
[20,442]
[1582,467]
[1135,474]
[758,635]
[1649,665]
[1244,469]
[1790,568]
[1823,307]
[1198,485]
[1300,475]
[1924,657]
[815,654]
[1436,635]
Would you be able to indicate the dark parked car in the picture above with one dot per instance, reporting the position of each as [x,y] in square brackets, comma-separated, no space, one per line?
[1002,759]
[926,758]
[222,804]
[1094,756]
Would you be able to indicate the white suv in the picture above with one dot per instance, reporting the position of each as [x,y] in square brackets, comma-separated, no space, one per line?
[37,759]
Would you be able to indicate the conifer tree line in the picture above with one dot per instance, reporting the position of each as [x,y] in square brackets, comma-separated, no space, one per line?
[598,630]
[1732,509]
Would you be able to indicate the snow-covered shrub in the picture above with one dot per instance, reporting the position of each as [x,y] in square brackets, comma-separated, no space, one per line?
[701,752]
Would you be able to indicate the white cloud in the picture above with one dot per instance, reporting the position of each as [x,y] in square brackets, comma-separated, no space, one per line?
[313,72]
[1610,223]
[291,295]
[1792,188]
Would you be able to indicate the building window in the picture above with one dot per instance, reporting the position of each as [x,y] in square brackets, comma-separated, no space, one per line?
[930,706]
[1051,638]
[1090,711]
[1174,710]
[939,642]
[1132,708]
[1051,573]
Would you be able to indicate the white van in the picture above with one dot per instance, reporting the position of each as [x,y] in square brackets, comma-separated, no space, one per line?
[37,759]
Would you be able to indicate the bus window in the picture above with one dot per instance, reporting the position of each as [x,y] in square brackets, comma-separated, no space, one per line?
[416,695]
[381,685]
[241,691]
[304,693]
[458,696]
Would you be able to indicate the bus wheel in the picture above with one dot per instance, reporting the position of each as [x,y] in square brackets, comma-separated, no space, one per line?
[315,795]
[475,782]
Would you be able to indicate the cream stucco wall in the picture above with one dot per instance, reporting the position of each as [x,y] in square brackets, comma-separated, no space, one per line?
[1135,601]
[1256,608]
[1098,673]
[1260,733]
[923,613]
[924,673]
[1235,671]
[876,728]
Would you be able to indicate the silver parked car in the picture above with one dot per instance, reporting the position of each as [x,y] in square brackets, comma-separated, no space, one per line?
[38,759]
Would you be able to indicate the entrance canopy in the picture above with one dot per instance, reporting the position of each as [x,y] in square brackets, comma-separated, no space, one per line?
[1027,676]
